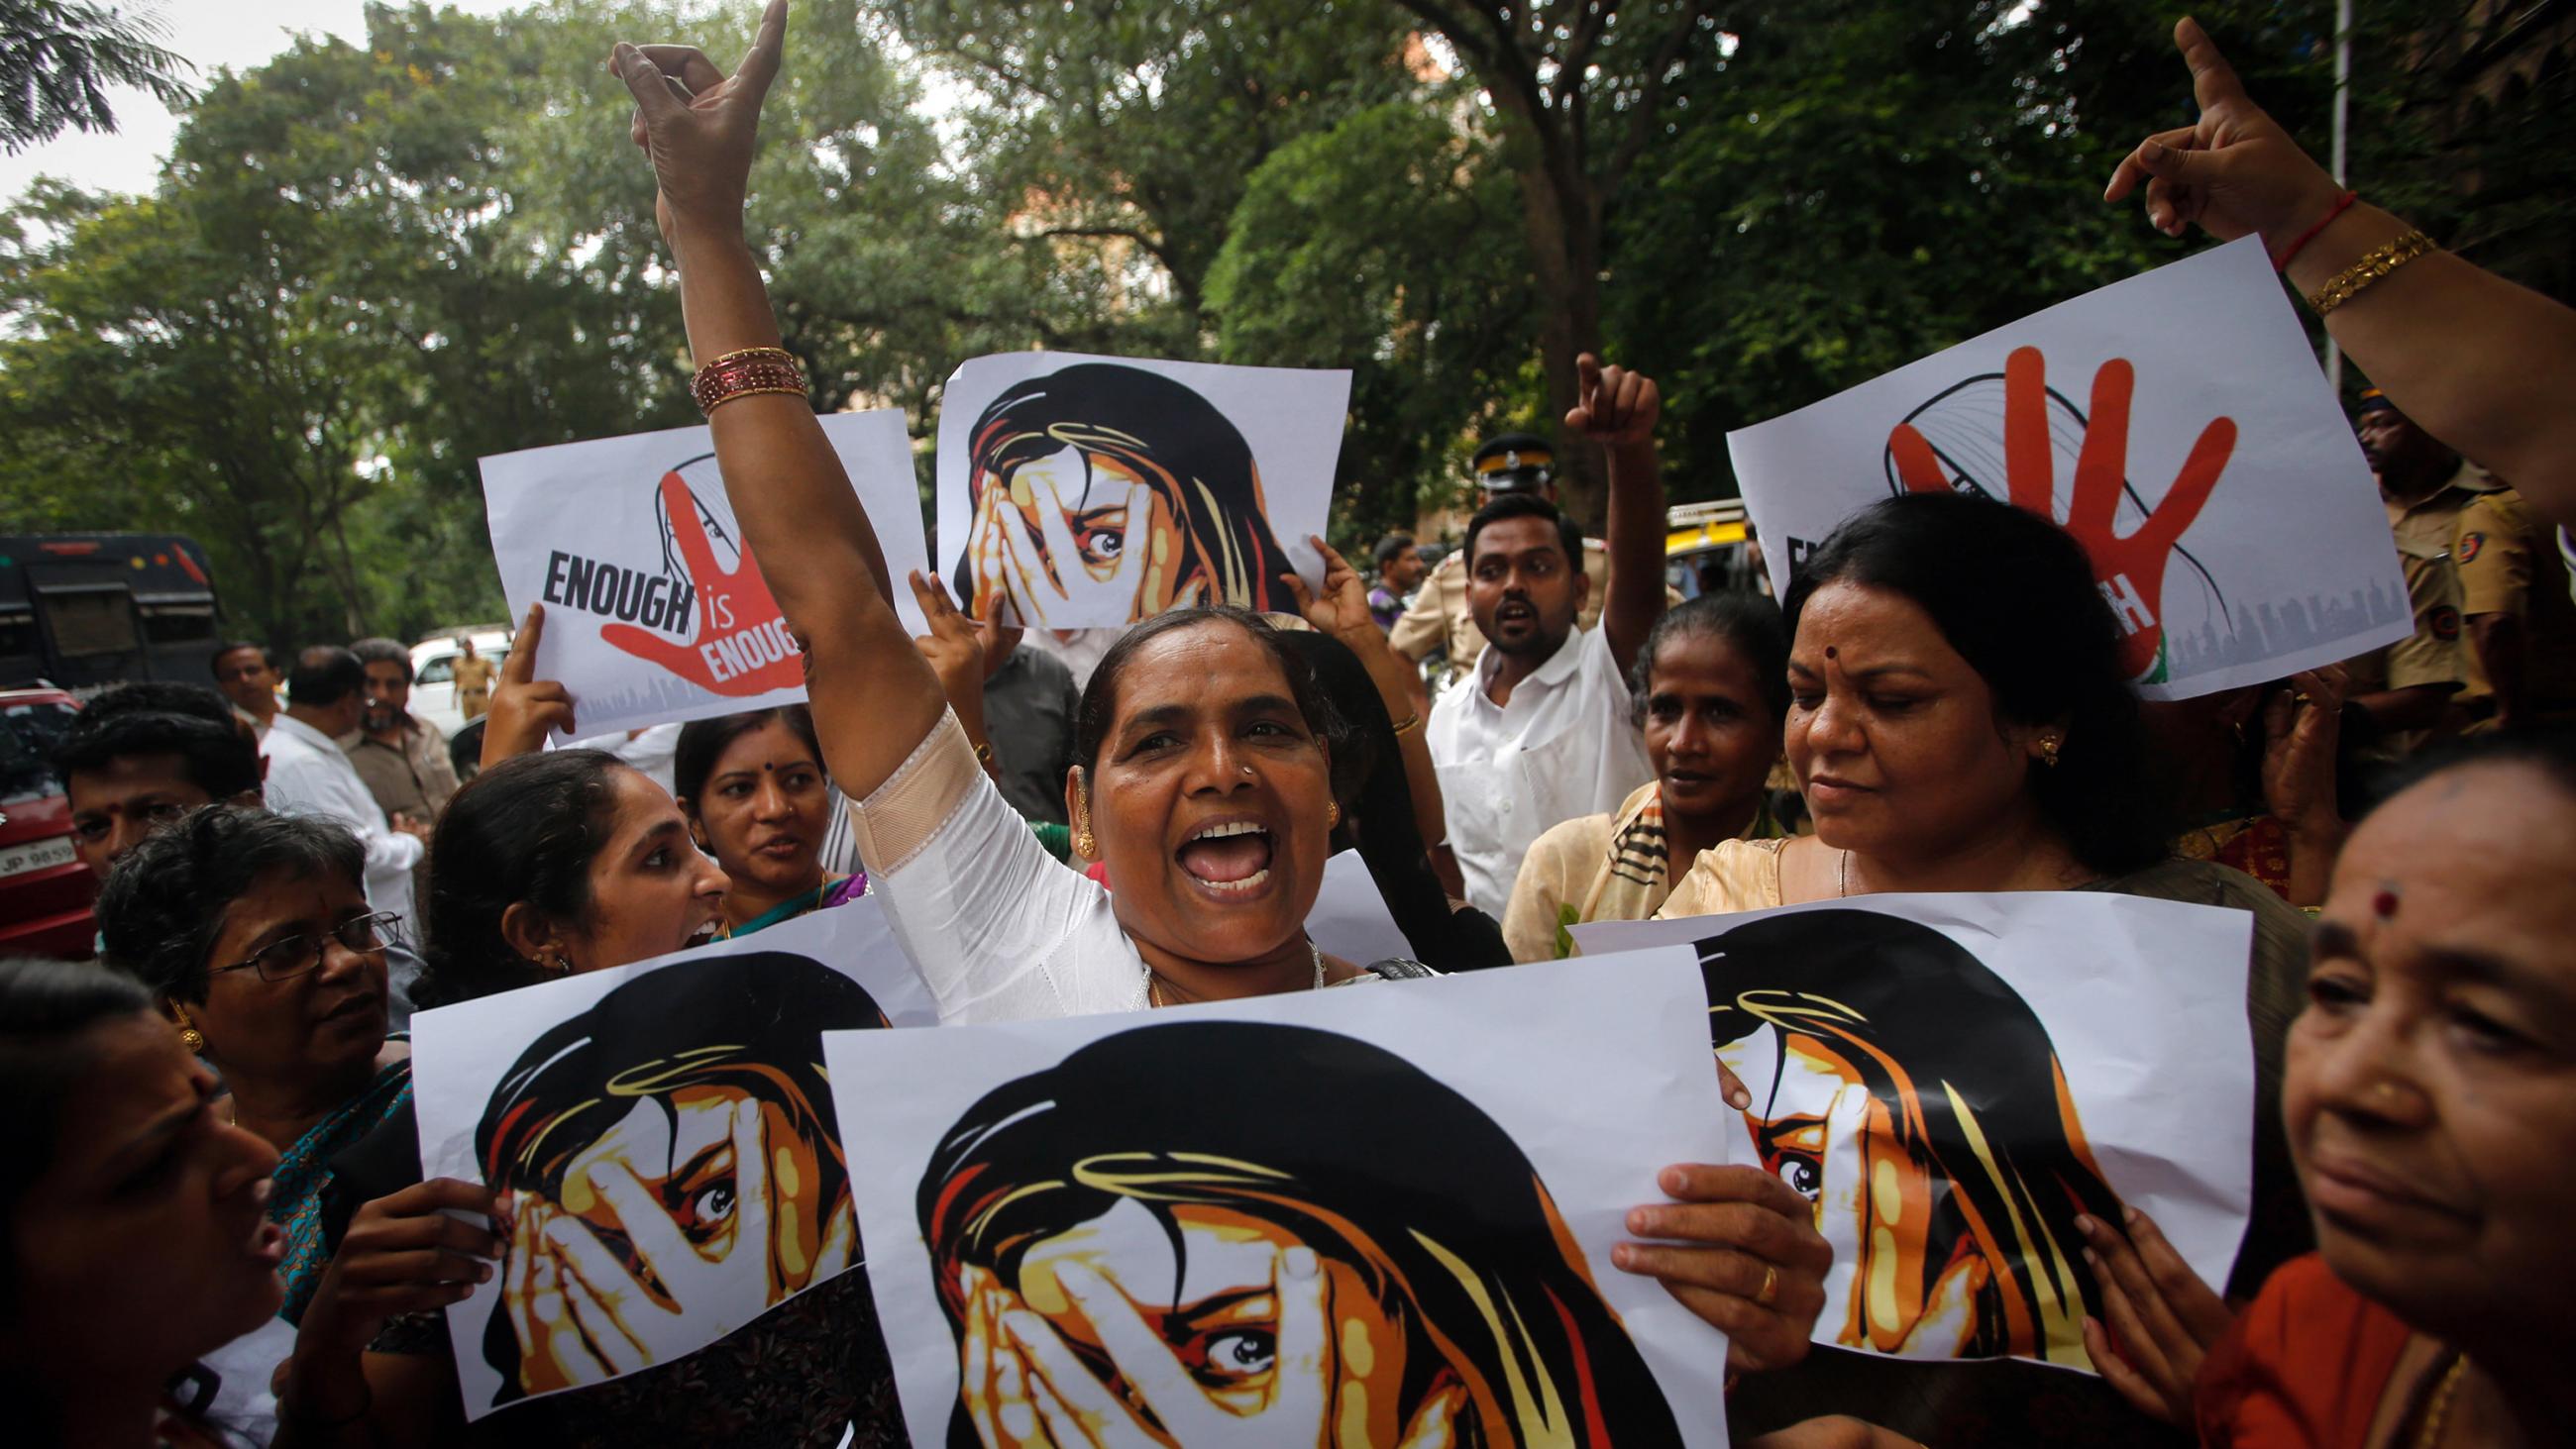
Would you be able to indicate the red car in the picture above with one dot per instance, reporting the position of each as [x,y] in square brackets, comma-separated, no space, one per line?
[45,891]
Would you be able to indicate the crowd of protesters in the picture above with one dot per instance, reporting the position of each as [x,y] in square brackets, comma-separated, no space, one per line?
[214,1130]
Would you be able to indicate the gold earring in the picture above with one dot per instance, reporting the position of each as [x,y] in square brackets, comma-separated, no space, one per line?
[1083,844]
[2049,745]
[1333,815]
[189,1037]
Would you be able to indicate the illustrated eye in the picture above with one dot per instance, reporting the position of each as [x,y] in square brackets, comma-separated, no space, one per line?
[1241,1353]
[713,1204]
[1802,1174]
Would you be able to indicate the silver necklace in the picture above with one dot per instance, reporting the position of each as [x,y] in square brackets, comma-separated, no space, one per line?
[1154,978]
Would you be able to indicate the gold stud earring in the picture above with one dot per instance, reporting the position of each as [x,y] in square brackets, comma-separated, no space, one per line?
[189,1037]
[1333,816]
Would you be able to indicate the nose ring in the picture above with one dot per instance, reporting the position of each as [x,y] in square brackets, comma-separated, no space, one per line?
[1247,770]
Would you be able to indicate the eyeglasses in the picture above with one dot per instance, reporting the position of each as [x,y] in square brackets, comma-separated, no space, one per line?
[296,955]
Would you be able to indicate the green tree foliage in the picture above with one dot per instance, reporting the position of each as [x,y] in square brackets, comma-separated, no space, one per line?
[1391,245]
[1857,185]
[1117,135]
[59,57]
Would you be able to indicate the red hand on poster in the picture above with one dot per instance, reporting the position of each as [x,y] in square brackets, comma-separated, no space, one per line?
[736,616]
[2131,569]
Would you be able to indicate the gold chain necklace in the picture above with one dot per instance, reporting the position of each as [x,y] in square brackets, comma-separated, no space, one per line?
[2437,1410]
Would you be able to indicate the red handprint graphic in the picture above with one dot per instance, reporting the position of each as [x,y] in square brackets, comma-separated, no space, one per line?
[742,645]
[2131,568]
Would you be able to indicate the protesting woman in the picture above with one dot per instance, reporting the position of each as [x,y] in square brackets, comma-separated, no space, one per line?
[1959,721]
[1710,688]
[134,1236]
[753,790]
[253,934]
[2431,1100]
[1204,779]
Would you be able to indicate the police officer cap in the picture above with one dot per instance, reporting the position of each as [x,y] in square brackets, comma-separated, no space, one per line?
[2373,400]
[1515,463]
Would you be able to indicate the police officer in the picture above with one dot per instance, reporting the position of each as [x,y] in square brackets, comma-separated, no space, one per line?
[2521,622]
[2406,686]
[1438,618]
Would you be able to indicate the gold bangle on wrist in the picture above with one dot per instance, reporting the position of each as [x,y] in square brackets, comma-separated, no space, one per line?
[1411,721]
[2362,275]
[747,354]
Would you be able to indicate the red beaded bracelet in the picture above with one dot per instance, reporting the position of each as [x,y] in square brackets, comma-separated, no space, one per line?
[743,374]
[2342,204]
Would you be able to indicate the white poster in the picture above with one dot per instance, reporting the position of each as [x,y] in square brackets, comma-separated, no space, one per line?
[1379,1214]
[655,611]
[1953,1079]
[1080,491]
[2176,423]
[1351,919]
[670,1134]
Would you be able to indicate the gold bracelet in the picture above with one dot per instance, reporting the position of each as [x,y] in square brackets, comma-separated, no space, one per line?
[1411,721]
[745,354]
[2358,278]
[720,399]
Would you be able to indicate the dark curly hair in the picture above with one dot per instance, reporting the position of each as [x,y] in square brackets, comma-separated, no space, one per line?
[526,830]
[164,903]
[2014,594]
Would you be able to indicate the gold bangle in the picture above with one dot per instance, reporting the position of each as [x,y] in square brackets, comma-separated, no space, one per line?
[2358,278]
[745,354]
[1411,721]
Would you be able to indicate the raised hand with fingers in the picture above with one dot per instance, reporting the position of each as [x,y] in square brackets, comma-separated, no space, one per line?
[2130,568]
[2163,1319]
[2233,171]
[955,648]
[1617,407]
[1341,608]
[1739,1248]
[524,707]
[699,125]
[2302,726]
[1049,579]
[742,647]
[578,1285]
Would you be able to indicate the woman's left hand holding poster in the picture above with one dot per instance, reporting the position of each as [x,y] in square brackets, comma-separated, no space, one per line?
[583,1316]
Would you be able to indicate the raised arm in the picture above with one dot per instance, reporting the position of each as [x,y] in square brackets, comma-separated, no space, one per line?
[1342,611]
[1618,410]
[874,698]
[2482,364]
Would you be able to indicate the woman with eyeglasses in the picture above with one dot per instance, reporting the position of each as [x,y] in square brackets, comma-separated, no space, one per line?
[253,934]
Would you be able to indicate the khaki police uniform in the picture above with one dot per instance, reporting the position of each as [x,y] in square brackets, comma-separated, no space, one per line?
[1439,618]
[2435,653]
[2506,564]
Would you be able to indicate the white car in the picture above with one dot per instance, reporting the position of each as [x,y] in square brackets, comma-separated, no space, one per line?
[433,671]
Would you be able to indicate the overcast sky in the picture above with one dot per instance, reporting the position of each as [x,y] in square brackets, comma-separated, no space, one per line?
[214,34]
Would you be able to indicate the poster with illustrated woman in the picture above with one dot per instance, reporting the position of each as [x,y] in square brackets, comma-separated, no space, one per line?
[1369,1217]
[1081,492]
[670,1137]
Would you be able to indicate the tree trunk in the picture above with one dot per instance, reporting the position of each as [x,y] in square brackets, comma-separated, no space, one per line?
[1565,250]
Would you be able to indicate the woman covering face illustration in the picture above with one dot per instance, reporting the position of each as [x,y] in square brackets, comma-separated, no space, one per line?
[1113,486]
[1918,1101]
[661,1144]
[1184,1228]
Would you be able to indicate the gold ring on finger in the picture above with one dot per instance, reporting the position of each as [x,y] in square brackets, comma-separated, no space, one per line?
[1770,1288]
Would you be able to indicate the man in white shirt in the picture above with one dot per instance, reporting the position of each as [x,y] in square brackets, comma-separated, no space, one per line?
[307,775]
[1542,731]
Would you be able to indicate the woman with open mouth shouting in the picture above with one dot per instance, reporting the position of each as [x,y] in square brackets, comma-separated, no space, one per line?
[1204,749]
